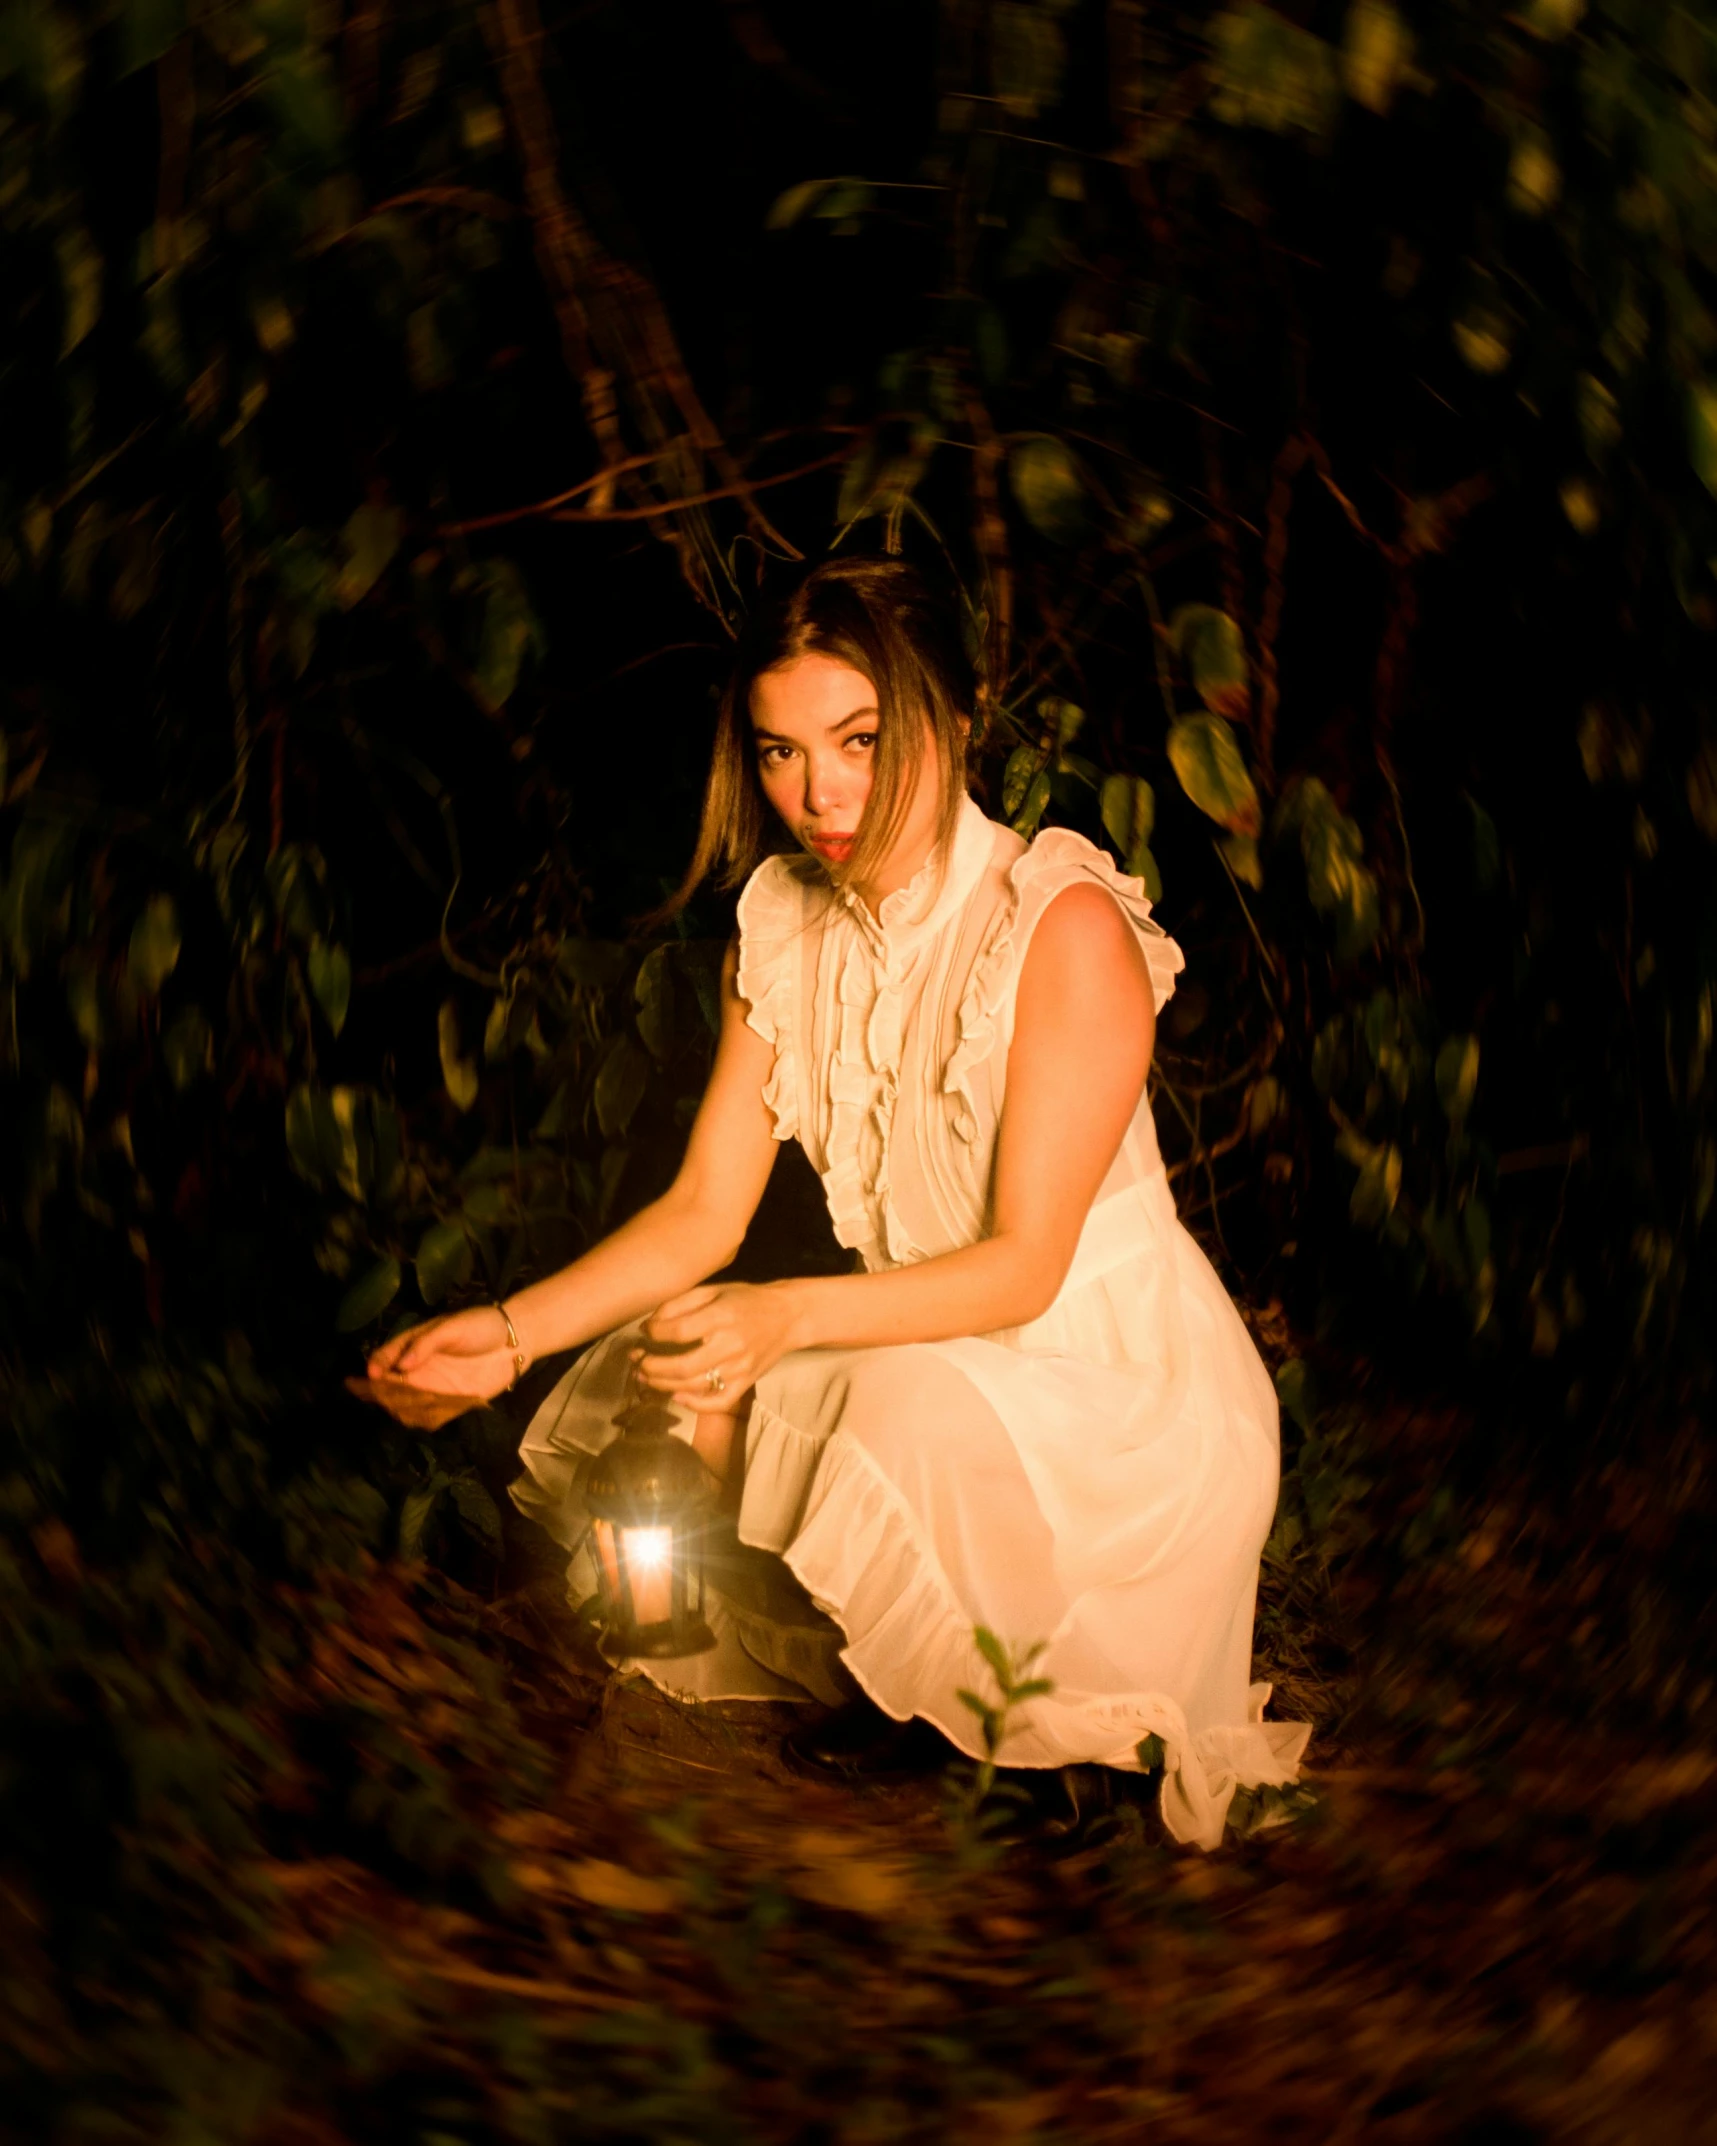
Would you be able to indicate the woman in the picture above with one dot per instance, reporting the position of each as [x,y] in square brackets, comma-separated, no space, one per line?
[1033,1407]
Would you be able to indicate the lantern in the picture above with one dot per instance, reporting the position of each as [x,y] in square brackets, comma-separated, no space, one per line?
[648,1494]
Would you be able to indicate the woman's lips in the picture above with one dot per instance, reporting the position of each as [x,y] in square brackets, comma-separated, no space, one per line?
[832,845]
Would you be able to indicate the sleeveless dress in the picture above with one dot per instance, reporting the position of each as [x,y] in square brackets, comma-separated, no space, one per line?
[1100,1481]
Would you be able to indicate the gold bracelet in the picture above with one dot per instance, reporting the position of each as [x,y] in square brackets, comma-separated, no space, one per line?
[513,1344]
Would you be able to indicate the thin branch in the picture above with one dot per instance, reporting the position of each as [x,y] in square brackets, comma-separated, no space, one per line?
[741,488]
[176,103]
[1159,643]
[232,549]
[1289,463]
[471,198]
[990,534]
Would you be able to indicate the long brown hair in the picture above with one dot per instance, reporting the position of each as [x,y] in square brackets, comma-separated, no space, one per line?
[878,616]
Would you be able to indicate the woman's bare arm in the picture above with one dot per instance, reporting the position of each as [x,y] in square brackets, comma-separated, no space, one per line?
[694,1229]
[1084,1029]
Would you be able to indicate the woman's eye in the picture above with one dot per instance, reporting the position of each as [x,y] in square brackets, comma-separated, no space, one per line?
[773,755]
[866,738]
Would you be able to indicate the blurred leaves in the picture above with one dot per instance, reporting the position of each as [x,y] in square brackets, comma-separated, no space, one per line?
[444,1260]
[1205,754]
[1045,480]
[154,951]
[1209,643]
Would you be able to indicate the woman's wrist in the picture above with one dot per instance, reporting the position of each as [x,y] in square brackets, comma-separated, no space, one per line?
[522,1357]
[801,1294]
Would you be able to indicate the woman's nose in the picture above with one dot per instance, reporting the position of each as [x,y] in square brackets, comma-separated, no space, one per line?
[822,786]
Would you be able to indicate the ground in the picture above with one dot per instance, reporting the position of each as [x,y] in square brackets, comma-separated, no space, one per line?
[1491,1924]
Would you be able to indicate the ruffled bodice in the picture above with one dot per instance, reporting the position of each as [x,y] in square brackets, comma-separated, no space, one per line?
[891,1033]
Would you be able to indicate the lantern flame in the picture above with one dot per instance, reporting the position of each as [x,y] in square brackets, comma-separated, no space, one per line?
[649,1549]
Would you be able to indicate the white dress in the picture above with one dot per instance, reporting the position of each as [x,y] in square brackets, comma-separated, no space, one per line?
[1101,1480]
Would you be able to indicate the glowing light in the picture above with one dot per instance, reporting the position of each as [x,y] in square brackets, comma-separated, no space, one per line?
[650,1568]
[649,1549]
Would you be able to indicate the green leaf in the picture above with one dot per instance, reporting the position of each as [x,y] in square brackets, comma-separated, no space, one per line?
[1702,432]
[1024,762]
[1378,1187]
[495,1030]
[1049,488]
[444,1257]
[990,347]
[1210,645]
[1068,718]
[305,97]
[593,964]
[654,993]
[970,1700]
[1151,1754]
[369,1296]
[84,1000]
[1377,49]
[1128,806]
[1268,73]
[1141,864]
[620,1084]
[148,29]
[1243,859]
[1033,805]
[1032,1688]
[1205,755]
[389,1169]
[1336,881]
[858,487]
[367,543]
[478,1511]
[154,949]
[427,363]
[297,879]
[1028,55]
[459,1074]
[351,1158]
[187,1045]
[1702,790]
[1296,1393]
[80,286]
[414,1515]
[991,1648]
[1457,1076]
[808,197]
[331,980]
[311,1133]
[510,633]
[1487,847]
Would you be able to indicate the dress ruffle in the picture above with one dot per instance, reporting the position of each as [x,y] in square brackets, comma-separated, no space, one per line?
[854,1544]
[771,925]
[1056,860]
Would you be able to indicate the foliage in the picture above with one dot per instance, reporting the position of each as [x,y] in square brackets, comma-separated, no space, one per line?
[1194,316]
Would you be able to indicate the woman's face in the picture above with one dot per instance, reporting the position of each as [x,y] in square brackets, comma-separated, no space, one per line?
[815,723]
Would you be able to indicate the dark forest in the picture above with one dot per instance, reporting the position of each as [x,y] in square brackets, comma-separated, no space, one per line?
[1311,412]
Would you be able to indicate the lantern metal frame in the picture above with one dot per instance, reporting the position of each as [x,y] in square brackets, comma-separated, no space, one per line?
[645,1485]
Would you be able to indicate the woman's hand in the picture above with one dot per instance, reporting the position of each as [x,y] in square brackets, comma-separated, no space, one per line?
[467,1352]
[737,1330]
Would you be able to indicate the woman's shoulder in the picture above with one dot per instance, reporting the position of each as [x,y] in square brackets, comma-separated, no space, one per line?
[1098,897]
[772,901]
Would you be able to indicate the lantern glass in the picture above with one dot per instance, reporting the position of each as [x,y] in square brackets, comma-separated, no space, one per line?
[649,1495]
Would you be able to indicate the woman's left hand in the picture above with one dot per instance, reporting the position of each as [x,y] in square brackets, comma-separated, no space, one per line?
[739,1330]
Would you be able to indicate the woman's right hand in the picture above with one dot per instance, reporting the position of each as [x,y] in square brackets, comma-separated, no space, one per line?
[466,1352]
